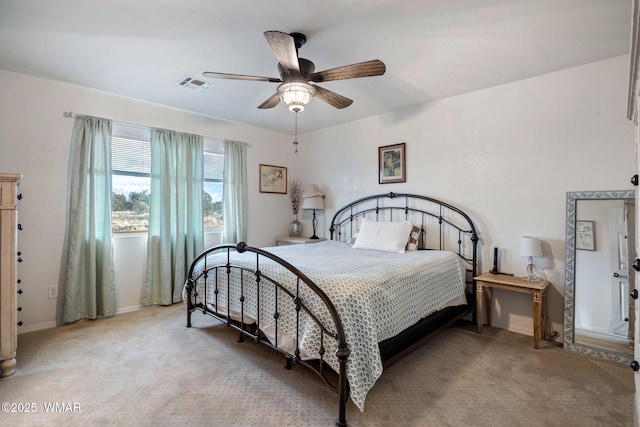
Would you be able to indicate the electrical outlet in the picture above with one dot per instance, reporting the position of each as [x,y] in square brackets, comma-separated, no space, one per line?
[53,291]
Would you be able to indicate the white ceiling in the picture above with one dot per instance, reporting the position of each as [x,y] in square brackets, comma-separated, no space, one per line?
[433,49]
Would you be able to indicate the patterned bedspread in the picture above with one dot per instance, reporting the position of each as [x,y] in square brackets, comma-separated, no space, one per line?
[377,294]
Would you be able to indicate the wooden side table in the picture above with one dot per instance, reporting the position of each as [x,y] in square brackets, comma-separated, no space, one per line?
[538,289]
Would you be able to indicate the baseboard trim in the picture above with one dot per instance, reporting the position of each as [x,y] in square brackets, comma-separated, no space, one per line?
[558,337]
[48,325]
[512,328]
[38,327]
[128,309]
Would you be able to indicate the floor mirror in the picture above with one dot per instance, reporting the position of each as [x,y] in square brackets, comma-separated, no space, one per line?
[599,248]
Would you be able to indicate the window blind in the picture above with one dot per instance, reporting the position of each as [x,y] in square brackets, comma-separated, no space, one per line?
[130,156]
[213,166]
[131,153]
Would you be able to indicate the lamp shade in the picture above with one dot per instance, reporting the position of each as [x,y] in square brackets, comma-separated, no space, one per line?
[312,191]
[530,246]
[313,198]
[315,202]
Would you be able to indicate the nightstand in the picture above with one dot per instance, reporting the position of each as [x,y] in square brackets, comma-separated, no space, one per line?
[283,241]
[538,289]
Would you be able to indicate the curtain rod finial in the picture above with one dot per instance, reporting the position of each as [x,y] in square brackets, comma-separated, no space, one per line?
[67,114]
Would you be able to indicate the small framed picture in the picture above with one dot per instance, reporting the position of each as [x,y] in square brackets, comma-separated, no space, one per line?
[273,179]
[392,164]
[585,235]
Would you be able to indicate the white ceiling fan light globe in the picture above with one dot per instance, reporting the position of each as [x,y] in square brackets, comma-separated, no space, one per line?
[296,95]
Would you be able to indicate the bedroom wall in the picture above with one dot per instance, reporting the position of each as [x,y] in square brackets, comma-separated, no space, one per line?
[506,155]
[34,141]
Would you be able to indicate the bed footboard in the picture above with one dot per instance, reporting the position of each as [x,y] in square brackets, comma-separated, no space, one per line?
[242,296]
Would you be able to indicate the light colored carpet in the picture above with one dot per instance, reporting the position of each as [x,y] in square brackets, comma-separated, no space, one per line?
[147,368]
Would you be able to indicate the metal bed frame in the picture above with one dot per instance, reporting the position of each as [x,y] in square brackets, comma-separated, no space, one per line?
[455,232]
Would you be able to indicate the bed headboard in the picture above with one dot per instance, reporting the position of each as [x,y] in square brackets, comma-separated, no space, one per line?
[444,227]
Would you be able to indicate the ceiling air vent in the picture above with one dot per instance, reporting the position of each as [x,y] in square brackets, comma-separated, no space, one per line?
[194,84]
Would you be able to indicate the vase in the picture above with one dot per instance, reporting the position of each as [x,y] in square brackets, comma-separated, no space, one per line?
[295,228]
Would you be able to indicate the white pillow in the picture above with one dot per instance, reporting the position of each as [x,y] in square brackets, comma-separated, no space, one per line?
[383,236]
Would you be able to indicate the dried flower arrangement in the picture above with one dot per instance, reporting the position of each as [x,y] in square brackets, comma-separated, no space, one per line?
[296,187]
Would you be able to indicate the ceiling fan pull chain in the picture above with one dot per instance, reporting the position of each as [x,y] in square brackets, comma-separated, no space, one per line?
[295,134]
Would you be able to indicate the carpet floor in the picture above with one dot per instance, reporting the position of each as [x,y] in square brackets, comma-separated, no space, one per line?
[146,368]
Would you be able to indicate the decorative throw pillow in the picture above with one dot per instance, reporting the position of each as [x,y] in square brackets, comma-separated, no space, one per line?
[414,237]
[383,235]
[352,240]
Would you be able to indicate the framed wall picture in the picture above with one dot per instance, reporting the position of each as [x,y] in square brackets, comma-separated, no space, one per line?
[392,164]
[273,179]
[585,235]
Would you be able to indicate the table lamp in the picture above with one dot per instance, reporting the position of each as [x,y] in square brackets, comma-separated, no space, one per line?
[530,247]
[313,199]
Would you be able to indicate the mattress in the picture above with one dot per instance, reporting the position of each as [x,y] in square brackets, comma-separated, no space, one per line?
[377,295]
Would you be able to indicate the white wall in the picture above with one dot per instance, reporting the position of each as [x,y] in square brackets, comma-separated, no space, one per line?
[506,155]
[34,141]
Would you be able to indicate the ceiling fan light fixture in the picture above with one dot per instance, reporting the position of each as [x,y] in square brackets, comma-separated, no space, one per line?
[296,95]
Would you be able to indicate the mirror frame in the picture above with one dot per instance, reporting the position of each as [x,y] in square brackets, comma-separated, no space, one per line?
[570,266]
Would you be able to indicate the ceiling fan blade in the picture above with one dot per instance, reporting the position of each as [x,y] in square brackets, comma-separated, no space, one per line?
[284,47]
[271,102]
[214,75]
[332,98]
[354,71]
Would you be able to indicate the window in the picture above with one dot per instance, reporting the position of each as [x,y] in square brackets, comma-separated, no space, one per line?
[212,191]
[131,180]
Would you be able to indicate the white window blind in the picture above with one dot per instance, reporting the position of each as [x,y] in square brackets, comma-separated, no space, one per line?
[213,166]
[130,156]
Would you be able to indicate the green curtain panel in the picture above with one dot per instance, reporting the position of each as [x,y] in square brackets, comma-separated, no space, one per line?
[90,280]
[176,234]
[234,192]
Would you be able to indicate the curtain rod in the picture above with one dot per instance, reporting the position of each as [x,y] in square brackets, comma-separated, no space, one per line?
[70,114]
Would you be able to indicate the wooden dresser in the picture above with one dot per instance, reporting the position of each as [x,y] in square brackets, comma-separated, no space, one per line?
[8,256]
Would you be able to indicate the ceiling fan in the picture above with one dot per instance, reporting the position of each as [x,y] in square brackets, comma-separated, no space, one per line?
[296,74]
